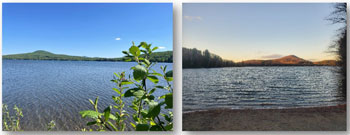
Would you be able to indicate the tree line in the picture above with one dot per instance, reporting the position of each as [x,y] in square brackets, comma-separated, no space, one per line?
[166,56]
[194,58]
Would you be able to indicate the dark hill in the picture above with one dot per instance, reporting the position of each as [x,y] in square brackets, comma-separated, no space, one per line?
[290,60]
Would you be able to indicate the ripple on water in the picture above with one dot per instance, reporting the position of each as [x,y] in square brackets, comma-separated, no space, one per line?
[58,90]
[260,87]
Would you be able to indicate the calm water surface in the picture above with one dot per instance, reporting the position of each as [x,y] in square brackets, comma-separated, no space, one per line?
[58,90]
[260,87]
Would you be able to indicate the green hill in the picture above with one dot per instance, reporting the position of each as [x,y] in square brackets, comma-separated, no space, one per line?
[166,56]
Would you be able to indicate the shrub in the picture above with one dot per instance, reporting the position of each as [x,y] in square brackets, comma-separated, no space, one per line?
[147,107]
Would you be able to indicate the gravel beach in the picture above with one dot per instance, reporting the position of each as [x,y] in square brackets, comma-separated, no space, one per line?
[332,118]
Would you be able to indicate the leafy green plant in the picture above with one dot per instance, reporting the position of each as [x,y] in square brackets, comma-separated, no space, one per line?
[146,106]
[50,126]
[102,120]
[11,123]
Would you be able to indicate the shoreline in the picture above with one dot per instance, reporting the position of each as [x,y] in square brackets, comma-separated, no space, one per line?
[81,60]
[329,118]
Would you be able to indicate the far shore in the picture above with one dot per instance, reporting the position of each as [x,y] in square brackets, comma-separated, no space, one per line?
[331,118]
[81,60]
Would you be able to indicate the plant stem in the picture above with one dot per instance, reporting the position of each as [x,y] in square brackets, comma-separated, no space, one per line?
[140,105]
[160,123]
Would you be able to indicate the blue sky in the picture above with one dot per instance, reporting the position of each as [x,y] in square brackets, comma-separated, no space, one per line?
[242,31]
[85,29]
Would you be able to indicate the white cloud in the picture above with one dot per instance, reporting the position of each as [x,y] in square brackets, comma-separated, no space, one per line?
[161,47]
[118,38]
[192,18]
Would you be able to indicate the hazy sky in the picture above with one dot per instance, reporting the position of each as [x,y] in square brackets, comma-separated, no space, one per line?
[242,31]
[90,29]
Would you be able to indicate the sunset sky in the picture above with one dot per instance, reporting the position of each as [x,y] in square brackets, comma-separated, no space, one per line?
[243,31]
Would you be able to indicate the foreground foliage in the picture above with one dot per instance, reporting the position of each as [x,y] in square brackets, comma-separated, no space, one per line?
[146,106]
[12,122]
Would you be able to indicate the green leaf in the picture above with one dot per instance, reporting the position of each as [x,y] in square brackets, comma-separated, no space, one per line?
[147,62]
[164,69]
[160,87]
[161,97]
[151,92]
[169,127]
[126,83]
[107,112]
[116,90]
[92,102]
[169,73]
[117,75]
[127,60]
[112,125]
[144,113]
[137,92]
[157,74]
[91,123]
[89,113]
[142,127]
[112,117]
[145,52]
[152,123]
[130,92]
[155,48]
[135,118]
[156,128]
[154,79]
[169,100]
[125,52]
[143,44]
[169,79]
[153,109]
[166,117]
[96,100]
[134,50]
[140,72]
[133,125]
[150,97]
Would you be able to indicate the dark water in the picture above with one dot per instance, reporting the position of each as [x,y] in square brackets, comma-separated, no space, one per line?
[260,87]
[58,90]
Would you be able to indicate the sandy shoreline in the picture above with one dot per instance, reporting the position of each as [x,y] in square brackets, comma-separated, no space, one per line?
[332,118]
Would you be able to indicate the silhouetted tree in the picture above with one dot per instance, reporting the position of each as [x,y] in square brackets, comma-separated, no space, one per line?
[339,16]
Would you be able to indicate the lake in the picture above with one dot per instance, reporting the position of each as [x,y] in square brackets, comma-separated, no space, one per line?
[59,90]
[260,87]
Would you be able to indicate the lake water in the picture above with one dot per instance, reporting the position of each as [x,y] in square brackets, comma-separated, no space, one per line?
[59,90]
[260,87]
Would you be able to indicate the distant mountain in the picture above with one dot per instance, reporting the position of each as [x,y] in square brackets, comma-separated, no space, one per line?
[194,58]
[166,56]
[326,63]
[290,60]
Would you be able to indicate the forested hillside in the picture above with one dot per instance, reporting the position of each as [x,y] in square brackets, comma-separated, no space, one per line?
[166,56]
[194,58]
